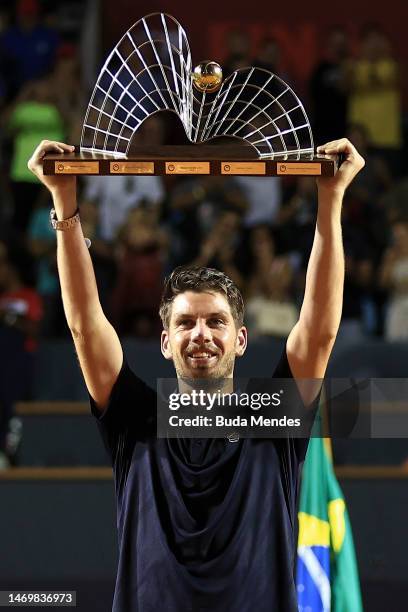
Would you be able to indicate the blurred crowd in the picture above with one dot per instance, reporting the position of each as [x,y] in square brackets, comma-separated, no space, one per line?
[259,231]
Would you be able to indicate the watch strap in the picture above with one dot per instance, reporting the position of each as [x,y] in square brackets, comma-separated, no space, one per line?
[64,224]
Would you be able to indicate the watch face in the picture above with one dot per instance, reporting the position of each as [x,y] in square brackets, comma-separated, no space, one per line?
[53,218]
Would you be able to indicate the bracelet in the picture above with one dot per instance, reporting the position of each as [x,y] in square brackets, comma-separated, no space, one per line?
[66,224]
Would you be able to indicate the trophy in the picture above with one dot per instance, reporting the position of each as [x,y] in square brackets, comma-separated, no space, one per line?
[150,70]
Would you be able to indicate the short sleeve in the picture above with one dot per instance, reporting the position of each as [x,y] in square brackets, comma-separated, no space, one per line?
[282,369]
[129,417]
[299,445]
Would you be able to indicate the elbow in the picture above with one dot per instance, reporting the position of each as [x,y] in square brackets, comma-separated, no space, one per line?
[321,333]
[84,325]
[328,337]
[322,337]
[325,339]
[78,334]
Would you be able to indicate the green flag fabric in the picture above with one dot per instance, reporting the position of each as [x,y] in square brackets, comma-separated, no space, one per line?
[327,574]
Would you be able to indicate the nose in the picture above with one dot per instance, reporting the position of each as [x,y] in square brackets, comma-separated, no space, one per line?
[201,332]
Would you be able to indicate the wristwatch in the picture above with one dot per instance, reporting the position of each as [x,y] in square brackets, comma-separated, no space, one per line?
[65,224]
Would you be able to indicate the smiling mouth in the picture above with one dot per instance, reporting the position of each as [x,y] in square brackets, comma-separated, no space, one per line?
[202,357]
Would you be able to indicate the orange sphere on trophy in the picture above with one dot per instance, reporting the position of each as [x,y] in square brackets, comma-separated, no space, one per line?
[207,76]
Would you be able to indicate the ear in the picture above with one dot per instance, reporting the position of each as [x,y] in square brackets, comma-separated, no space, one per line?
[241,342]
[165,345]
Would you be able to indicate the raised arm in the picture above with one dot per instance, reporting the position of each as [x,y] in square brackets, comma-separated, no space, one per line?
[311,340]
[96,342]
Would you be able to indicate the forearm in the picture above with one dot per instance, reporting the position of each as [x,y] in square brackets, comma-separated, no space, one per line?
[78,284]
[323,300]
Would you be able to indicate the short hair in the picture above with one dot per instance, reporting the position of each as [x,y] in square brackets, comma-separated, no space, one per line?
[200,279]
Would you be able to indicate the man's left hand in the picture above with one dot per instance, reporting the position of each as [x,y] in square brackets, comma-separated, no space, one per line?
[352,164]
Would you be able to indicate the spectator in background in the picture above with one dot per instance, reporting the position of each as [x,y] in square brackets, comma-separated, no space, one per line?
[366,225]
[268,55]
[220,247]
[359,315]
[375,97]
[376,177]
[141,250]
[270,307]
[269,58]
[4,67]
[363,203]
[115,197]
[394,278]
[5,206]
[264,198]
[295,221]
[66,81]
[33,117]
[238,51]
[328,91]
[196,205]
[42,247]
[102,253]
[20,315]
[394,201]
[28,47]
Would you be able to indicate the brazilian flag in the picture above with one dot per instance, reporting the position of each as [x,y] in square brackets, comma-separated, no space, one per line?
[327,575]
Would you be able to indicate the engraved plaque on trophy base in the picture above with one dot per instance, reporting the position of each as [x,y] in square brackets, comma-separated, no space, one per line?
[233,160]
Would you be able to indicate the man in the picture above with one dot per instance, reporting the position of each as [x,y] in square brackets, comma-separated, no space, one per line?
[203,524]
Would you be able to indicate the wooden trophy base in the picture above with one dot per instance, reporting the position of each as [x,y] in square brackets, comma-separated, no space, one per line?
[230,160]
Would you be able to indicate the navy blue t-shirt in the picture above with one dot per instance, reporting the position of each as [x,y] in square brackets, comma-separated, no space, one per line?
[203,524]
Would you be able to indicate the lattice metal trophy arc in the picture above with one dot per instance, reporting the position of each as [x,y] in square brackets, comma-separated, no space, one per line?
[150,70]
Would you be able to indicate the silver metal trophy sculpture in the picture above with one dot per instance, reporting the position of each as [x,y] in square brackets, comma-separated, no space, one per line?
[150,70]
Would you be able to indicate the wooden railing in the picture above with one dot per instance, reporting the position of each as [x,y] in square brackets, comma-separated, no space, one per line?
[345,472]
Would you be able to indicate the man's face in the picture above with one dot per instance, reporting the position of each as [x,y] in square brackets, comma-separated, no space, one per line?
[202,339]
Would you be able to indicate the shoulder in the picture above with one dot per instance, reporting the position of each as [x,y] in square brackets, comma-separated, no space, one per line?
[130,398]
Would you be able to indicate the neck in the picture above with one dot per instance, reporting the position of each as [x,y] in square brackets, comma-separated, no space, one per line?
[209,385]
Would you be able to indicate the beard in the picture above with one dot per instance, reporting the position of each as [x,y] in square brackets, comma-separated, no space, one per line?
[223,368]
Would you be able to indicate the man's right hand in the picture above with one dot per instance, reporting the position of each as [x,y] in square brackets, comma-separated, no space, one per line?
[55,184]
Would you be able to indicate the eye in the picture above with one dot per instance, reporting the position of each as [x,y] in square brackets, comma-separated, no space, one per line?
[216,321]
[185,323]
